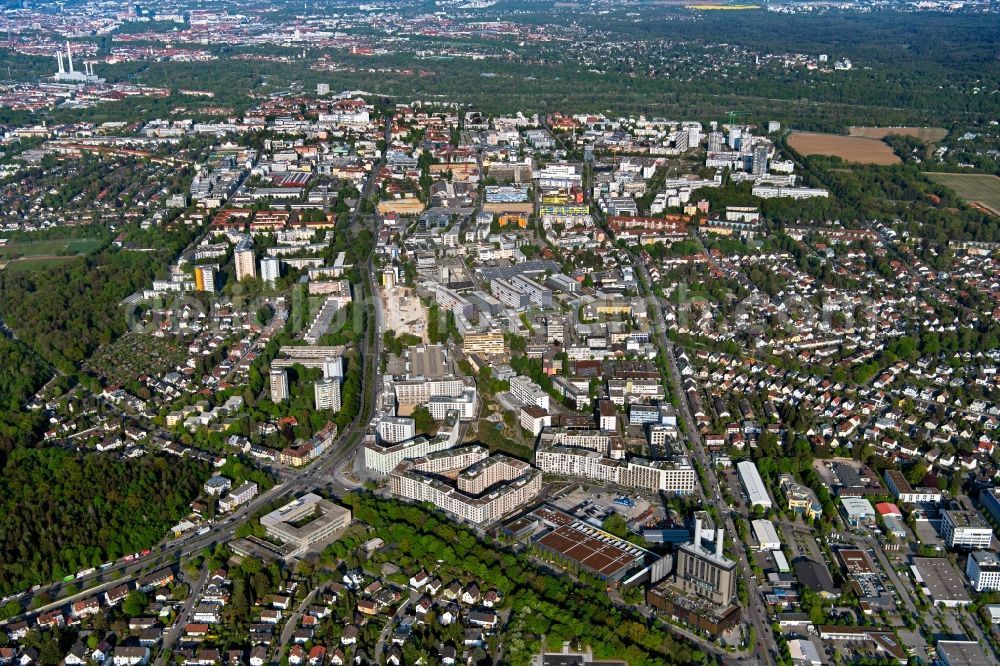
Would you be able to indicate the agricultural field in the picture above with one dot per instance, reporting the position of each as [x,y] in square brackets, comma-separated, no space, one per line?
[925,134]
[849,148]
[976,189]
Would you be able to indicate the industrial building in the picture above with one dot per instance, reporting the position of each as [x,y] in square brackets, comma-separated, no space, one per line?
[753,485]
[765,534]
[614,560]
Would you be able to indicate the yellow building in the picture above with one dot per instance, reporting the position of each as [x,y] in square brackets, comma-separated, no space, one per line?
[487,344]
[519,219]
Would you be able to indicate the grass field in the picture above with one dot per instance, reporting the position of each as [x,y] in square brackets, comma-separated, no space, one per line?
[849,148]
[33,263]
[51,247]
[973,188]
[927,134]
[32,255]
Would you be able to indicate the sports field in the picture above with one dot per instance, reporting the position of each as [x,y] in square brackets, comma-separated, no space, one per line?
[978,189]
[32,255]
[927,134]
[849,148]
[41,248]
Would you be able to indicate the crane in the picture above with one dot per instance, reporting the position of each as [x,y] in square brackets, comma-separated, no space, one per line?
[733,115]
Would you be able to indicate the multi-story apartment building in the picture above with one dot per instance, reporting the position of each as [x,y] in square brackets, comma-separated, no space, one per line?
[665,476]
[534,419]
[395,429]
[270,269]
[327,394]
[382,458]
[528,392]
[510,294]
[204,278]
[483,493]
[485,344]
[279,385]
[465,405]
[243,257]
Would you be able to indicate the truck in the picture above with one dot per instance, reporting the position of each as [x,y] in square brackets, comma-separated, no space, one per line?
[85,572]
[203,530]
[68,578]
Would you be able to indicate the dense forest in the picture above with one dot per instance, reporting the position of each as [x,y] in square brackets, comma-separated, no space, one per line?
[66,312]
[61,512]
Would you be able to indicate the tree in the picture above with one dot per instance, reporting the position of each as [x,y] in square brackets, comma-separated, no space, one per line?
[135,603]
[423,421]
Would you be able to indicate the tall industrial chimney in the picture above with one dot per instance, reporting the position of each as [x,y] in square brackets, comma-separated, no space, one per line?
[59,61]
[719,534]
[697,533]
[69,57]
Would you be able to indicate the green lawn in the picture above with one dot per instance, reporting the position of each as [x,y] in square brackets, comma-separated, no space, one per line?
[34,263]
[43,248]
[980,188]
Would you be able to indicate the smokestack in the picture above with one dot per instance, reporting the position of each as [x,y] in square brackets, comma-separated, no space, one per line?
[697,533]
[719,533]
[69,57]
[59,61]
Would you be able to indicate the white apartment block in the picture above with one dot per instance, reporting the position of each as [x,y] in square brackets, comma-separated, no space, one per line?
[419,391]
[327,394]
[279,385]
[466,405]
[528,392]
[498,486]
[395,429]
[246,266]
[636,473]
[534,419]
[383,458]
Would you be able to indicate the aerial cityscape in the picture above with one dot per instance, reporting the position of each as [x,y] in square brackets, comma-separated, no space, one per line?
[481,332]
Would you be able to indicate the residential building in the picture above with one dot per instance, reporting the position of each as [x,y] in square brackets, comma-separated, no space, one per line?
[204,278]
[245,261]
[270,269]
[327,394]
[395,429]
[279,385]
[528,392]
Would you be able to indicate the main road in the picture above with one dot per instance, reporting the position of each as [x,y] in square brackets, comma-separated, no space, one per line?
[765,647]
[341,454]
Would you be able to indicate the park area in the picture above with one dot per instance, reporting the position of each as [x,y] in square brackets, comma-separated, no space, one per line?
[925,134]
[976,189]
[35,254]
[849,148]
